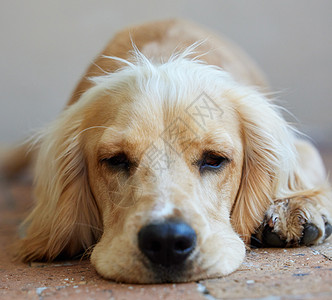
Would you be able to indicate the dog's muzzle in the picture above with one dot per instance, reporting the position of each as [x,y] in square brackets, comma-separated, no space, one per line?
[167,244]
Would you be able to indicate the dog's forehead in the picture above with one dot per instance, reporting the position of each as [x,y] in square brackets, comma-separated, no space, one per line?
[179,108]
[187,113]
[182,126]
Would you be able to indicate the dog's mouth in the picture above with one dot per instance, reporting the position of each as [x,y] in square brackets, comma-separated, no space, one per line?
[170,274]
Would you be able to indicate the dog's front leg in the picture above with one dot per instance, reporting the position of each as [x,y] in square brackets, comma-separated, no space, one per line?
[305,217]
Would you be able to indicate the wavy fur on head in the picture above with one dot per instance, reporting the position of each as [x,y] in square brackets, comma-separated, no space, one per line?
[129,109]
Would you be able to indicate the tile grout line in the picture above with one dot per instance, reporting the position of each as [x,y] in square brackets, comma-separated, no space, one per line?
[315,252]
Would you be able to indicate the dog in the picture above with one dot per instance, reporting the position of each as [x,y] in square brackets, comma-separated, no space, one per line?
[169,159]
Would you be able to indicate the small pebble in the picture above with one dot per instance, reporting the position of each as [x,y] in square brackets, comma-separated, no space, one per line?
[40,290]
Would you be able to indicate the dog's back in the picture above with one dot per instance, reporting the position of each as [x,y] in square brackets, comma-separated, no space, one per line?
[159,40]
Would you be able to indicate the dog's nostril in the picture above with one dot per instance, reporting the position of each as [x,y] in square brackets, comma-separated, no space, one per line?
[168,243]
[183,245]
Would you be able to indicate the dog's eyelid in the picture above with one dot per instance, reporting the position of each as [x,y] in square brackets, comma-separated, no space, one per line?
[105,156]
[107,151]
[213,153]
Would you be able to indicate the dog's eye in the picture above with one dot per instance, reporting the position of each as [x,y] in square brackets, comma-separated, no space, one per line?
[212,161]
[119,161]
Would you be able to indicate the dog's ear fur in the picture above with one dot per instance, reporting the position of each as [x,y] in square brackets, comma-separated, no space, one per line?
[269,160]
[66,219]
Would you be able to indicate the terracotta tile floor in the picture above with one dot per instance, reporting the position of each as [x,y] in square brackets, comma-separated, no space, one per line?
[299,273]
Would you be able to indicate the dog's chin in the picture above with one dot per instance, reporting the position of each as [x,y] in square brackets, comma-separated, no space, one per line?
[161,274]
[139,270]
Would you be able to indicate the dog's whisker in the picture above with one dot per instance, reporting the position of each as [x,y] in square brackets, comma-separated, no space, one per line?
[91,226]
[87,253]
[92,127]
[256,239]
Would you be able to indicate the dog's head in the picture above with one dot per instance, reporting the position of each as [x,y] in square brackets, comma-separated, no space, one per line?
[166,168]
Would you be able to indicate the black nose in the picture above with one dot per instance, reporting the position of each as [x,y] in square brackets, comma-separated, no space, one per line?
[168,243]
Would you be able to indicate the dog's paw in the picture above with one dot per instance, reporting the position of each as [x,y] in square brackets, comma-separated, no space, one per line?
[294,222]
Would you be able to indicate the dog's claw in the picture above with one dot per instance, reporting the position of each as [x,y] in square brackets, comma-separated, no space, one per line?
[328,230]
[294,223]
[310,234]
[272,239]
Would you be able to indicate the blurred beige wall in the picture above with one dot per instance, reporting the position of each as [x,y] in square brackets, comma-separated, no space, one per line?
[46,45]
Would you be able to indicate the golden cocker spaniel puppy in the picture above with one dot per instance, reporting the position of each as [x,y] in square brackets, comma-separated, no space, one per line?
[168,160]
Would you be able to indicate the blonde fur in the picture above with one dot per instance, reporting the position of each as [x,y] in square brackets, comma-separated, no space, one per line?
[65,207]
[128,104]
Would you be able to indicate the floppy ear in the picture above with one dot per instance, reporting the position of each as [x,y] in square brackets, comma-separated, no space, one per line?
[66,218]
[269,161]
